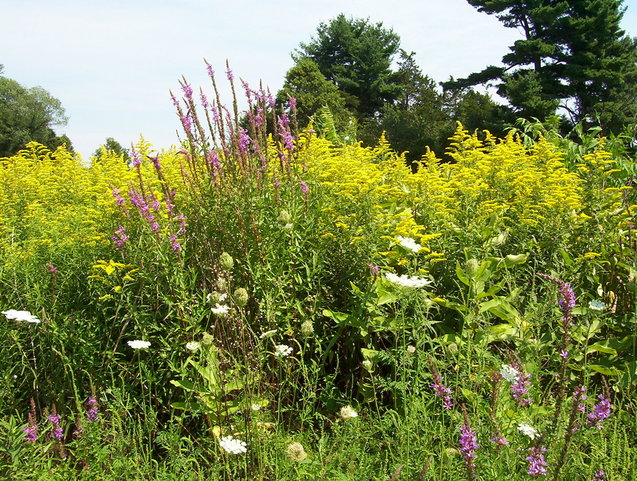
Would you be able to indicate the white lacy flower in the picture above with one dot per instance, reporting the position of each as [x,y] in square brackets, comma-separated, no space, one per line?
[411,349]
[139,344]
[192,346]
[407,281]
[220,309]
[409,243]
[255,407]
[282,350]
[23,316]
[509,373]
[527,430]
[347,412]
[233,446]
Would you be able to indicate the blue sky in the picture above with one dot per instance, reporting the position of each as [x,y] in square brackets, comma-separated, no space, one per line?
[111,63]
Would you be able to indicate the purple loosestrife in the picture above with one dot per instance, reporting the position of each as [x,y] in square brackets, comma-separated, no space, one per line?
[468,447]
[601,412]
[120,237]
[187,89]
[176,246]
[304,188]
[57,432]
[442,391]
[599,476]
[135,157]
[31,431]
[537,464]
[500,440]
[92,411]
[244,141]
[520,388]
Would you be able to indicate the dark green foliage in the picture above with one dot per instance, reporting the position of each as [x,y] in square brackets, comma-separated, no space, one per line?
[313,91]
[574,59]
[111,145]
[423,116]
[28,115]
[356,56]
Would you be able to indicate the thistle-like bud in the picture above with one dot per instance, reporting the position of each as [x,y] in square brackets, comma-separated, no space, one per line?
[207,339]
[284,217]
[226,261]
[472,267]
[307,328]
[241,297]
[296,452]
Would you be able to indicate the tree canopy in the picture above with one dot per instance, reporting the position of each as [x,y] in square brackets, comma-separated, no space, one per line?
[574,59]
[356,56]
[28,114]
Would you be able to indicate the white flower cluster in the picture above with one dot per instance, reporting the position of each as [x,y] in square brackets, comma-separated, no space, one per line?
[192,346]
[527,430]
[282,350]
[509,373]
[232,445]
[139,344]
[409,243]
[23,316]
[220,309]
[411,282]
[347,412]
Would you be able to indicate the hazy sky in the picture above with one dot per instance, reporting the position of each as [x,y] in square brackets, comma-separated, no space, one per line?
[111,63]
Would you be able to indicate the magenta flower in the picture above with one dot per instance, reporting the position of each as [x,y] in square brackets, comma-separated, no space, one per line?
[537,463]
[601,412]
[57,433]
[520,388]
[468,445]
[93,411]
[442,391]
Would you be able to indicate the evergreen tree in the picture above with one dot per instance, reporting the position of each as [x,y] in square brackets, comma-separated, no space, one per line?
[356,56]
[574,56]
[312,91]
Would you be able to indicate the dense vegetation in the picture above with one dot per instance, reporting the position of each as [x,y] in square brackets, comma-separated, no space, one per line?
[274,299]
[278,306]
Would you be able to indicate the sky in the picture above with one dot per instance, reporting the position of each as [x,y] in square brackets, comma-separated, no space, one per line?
[112,63]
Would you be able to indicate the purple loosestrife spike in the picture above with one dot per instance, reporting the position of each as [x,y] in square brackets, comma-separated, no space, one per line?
[304,187]
[229,73]
[442,391]
[204,100]
[187,91]
[244,141]
[136,159]
[601,412]
[537,464]
[57,433]
[579,397]
[520,388]
[599,476]
[93,411]
[176,246]
[374,269]
[52,269]
[468,446]
[500,440]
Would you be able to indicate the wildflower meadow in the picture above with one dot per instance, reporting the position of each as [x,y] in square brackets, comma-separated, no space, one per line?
[269,302]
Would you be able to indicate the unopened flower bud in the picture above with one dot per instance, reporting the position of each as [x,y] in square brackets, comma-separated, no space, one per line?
[472,267]
[241,297]
[307,328]
[226,261]
[284,217]
[296,452]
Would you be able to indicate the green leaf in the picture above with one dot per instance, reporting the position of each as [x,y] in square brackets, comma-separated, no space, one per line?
[600,347]
[499,307]
[513,260]
[186,385]
[605,370]
[462,277]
